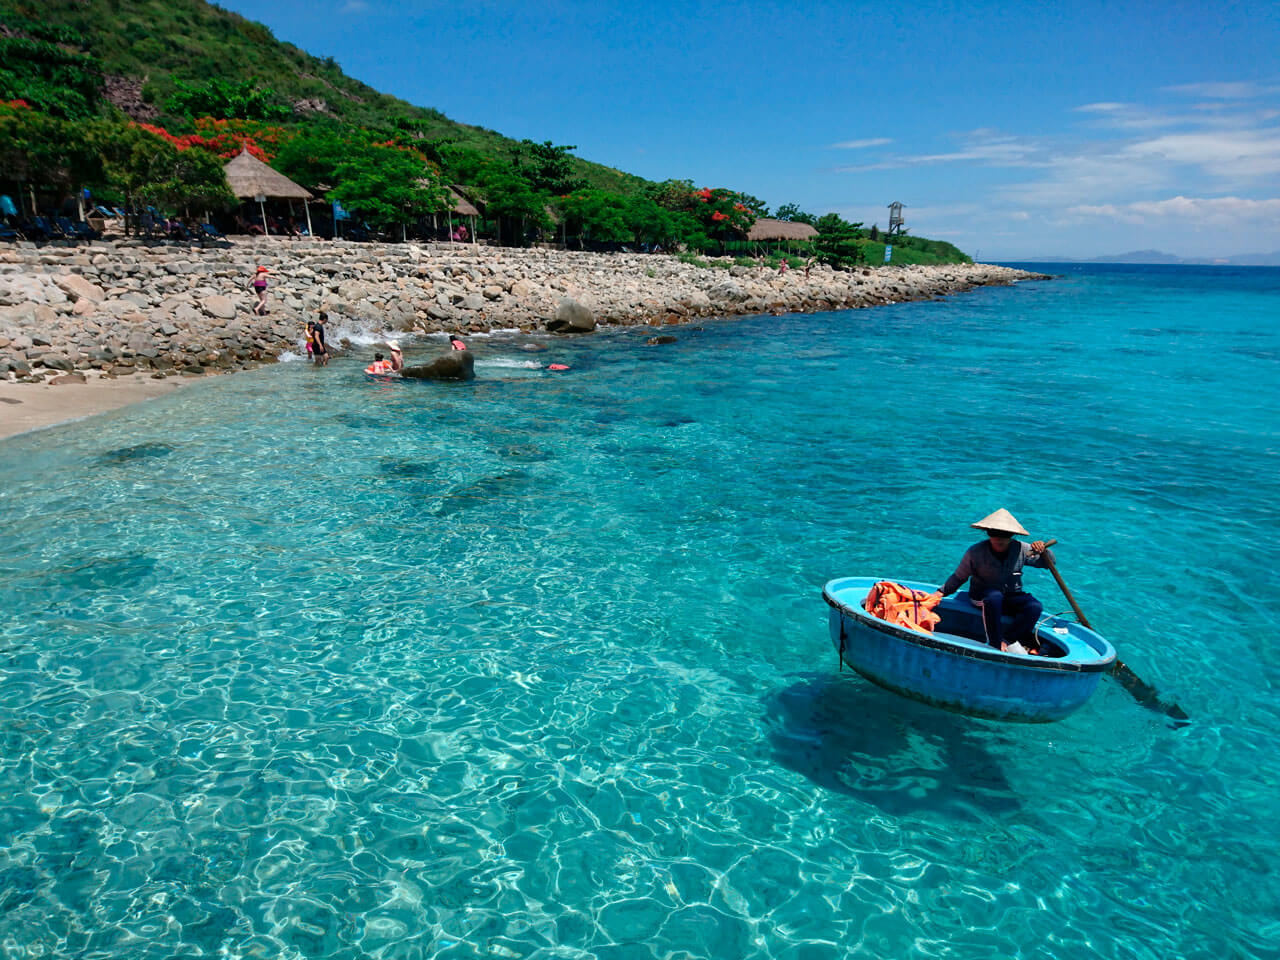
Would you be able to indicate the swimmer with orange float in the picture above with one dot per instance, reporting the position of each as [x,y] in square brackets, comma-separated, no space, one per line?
[379,367]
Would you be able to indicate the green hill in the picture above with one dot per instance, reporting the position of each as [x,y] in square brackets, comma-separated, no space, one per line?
[144,100]
[144,50]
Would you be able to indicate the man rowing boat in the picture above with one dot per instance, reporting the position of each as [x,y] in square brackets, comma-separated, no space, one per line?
[993,568]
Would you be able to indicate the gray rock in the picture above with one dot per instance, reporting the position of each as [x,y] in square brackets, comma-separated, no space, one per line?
[697,300]
[728,291]
[78,288]
[454,365]
[56,361]
[219,306]
[572,317]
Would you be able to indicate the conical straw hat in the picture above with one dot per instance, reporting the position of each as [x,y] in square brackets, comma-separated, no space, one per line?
[1001,520]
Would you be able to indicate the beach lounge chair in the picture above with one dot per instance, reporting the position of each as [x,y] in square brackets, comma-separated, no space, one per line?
[37,229]
[209,232]
[8,233]
[77,230]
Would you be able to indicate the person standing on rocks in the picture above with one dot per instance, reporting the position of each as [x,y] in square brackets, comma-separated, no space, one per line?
[319,352]
[259,284]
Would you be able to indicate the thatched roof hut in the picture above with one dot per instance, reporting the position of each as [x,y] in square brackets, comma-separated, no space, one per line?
[249,177]
[767,229]
[461,205]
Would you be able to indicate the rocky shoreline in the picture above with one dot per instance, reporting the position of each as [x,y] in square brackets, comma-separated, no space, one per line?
[122,308]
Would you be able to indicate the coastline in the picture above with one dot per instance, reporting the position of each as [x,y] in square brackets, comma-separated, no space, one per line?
[133,319]
[27,407]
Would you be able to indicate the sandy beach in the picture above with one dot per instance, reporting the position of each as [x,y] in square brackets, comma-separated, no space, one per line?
[31,406]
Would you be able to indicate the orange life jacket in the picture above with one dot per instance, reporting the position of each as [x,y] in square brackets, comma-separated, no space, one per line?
[378,366]
[902,606]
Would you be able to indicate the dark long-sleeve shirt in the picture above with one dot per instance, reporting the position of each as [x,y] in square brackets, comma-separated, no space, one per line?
[987,570]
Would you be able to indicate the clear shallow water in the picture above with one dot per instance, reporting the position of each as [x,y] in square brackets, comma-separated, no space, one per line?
[297,664]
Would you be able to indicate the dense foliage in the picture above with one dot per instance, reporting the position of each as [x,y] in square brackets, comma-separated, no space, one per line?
[44,66]
[201,83]
[227,100]
[113,157]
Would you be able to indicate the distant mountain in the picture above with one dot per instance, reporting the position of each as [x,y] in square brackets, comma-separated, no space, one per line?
[1139,256]
[1159,256]
[1258,259]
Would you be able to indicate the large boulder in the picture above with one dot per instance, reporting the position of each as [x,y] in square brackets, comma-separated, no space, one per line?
[78,288]
[454,365]
[728,291]
[57,361]
[572,317]
[219,307]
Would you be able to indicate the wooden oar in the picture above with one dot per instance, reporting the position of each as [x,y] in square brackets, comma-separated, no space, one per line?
[1138,688]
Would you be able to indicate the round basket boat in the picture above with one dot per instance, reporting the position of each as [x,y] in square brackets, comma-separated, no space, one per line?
[954,668]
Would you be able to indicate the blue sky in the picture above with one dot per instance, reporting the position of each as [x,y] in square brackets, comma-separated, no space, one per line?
[1012,130]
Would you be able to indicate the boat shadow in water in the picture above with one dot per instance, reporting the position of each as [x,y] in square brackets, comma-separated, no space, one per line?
[849,736]
[136,453]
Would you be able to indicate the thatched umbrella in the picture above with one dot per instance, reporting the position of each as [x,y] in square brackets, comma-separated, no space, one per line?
[786,230]
[250,178]
[463,207]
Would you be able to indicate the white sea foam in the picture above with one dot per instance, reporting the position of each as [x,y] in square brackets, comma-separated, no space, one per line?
[341,328]
[509,363]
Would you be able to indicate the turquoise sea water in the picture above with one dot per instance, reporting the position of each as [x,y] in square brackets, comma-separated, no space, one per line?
[294,664]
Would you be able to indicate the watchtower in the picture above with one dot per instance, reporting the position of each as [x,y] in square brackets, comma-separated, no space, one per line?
[896,224]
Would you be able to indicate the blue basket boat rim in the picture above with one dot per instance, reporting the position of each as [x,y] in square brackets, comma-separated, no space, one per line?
[1101,654]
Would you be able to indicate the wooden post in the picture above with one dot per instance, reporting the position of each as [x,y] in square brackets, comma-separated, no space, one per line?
[306,206]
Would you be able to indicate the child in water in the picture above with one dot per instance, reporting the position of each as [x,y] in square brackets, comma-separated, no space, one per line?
[379,367]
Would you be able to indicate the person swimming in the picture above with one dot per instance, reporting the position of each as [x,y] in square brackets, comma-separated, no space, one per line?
[379,367]
[455,341]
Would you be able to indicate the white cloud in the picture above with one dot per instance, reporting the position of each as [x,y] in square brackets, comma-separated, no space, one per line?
[984,148]
[860,144]
[1220,91]
[1198,159]
[1240,155]
[1195,211]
